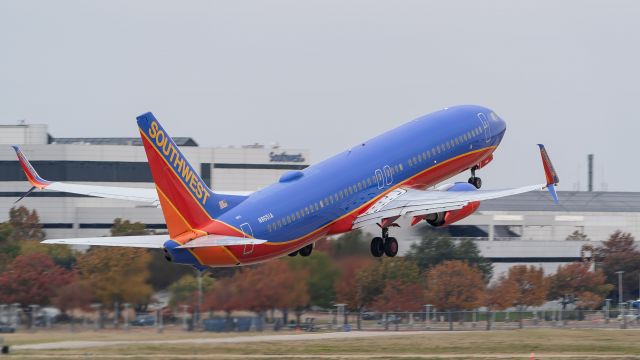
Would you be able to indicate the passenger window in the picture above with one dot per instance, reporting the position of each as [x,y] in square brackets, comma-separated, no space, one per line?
[400,166]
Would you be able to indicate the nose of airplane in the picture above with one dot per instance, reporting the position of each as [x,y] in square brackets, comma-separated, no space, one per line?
[497,123]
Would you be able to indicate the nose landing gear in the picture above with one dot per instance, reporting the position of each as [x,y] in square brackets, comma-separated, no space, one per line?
[474,180]
[384,245]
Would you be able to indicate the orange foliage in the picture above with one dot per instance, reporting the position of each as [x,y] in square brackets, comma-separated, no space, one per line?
[531,285]
[454,285]
[501,294]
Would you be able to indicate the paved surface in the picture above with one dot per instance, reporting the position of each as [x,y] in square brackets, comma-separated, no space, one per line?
[62,345]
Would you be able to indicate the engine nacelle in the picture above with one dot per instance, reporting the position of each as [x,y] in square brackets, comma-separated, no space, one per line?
[450,217]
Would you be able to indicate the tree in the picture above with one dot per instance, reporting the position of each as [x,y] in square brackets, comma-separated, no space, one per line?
[350,244]
[578,236]
[9,248]
[274,285]
[225,295]
[531,285]
[346,286]
[322,274]
[32,279]
[25,224]
[74,295]
[127,228]
[575,283]
[501,294]
[398,295]
[619,253]
[455,285]
[183,291]
[431,251]
[371,280]
[118,275]
[62,255]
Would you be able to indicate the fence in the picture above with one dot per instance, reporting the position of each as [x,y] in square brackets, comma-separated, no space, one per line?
[16,319]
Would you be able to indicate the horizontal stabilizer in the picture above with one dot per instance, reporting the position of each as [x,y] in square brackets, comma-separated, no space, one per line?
[143,241]
[220,240]
[156,241]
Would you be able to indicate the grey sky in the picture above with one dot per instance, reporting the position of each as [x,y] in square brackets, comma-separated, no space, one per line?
[325,75]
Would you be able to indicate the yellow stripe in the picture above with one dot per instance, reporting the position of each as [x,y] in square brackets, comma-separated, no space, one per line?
[186,222]
[185,186]
[378,197]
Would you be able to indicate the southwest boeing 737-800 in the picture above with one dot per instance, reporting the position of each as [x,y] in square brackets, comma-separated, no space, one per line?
[376,182]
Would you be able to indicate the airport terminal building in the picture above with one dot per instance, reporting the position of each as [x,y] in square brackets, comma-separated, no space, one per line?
[121,162]
[523,229]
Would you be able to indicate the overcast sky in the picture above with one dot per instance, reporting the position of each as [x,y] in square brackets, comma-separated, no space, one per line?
[325,75]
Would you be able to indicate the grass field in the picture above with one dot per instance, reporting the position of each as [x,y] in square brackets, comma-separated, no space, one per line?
[515,344]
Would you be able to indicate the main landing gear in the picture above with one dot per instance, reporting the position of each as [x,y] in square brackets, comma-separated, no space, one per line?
[384,245]
[305,251]
[474,180]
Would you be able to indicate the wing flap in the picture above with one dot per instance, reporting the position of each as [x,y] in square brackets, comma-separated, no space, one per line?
[220,240]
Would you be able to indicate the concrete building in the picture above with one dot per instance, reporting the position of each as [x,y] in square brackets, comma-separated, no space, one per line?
[121,162]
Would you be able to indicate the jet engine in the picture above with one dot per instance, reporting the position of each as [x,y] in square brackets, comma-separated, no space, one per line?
[449,217]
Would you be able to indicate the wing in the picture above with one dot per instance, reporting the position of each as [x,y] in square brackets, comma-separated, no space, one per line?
[414,202]
[156,241]
[146,195]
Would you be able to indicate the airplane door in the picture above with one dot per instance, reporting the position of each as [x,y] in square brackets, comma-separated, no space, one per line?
[387,174]
[248,233]
[379,178]
[485,127]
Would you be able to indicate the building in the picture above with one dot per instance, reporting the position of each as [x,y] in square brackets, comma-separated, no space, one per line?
[121,162]
[530,229]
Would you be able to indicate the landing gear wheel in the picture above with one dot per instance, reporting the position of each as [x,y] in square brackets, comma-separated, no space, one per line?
[391,247]
[377,247]
[306,251]
[475,181]
[294,253]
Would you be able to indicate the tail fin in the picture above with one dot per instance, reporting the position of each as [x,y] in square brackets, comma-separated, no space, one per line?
[187,202]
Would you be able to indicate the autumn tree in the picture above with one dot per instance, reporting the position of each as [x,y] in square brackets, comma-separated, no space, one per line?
[32,279]
[322,274]
[25,224]
[118,275]
[455,285]
[62,255]
[275,284]
[371,280]
[75,295]
[433,250]
[399,295]
[619,253]
[226,294]
[346,285]
[501,294]
[576,283]
[531,285]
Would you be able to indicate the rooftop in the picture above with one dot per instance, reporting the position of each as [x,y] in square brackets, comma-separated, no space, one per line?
[572,201]
[131,141]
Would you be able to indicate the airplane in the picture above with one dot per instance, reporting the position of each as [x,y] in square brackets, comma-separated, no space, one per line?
[378,181]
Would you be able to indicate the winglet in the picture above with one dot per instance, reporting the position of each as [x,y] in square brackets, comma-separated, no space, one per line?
[29,171]
[549,172]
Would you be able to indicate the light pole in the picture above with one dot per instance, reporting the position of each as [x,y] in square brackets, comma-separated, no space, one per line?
[620,300]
